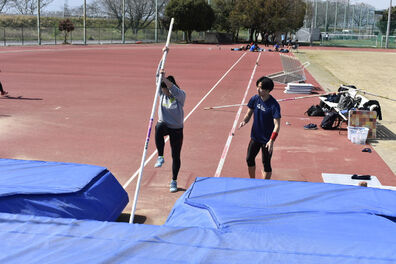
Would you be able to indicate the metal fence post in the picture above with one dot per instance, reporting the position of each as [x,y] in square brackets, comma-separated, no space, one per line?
[22,34]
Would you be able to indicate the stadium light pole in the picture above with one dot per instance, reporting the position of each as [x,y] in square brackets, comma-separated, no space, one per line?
[388,26]
[335,18]
[316,13]
[312,25]
[353,18]
[327,9]
[38,23]
[360,17]
[345,15]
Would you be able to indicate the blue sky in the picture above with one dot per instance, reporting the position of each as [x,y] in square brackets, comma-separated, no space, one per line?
[57,5]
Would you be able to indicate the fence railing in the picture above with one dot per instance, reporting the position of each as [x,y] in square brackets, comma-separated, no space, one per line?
[356,40]
[94,35]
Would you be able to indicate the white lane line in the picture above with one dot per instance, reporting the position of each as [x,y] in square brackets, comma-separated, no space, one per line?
[189,114]
[231,134]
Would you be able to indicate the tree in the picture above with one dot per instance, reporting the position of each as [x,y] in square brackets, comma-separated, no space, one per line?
[268,16]
[28,7]
[66,26]
[138,13]
[190,15]
[383,23]
[3,3]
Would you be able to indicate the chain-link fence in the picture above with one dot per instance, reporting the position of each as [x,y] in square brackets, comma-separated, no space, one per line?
[94,35]
[348,23]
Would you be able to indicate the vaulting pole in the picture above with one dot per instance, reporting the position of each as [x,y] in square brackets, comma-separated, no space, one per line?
[279,100]
[162,66]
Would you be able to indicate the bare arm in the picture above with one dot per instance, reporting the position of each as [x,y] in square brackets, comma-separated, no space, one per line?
[270,143]
[247,117]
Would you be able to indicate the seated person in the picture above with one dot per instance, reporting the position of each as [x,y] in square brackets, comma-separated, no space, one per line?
[276,47]
[255,47]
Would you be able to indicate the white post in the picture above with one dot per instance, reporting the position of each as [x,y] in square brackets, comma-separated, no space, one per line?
[85,21]
[388,26]
[38,23]
[156,21]
[123,22]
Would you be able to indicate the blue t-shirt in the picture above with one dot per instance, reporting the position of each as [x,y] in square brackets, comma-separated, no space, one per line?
[264,114]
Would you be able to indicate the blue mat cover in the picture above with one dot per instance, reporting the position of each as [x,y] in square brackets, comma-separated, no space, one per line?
[57,189]
[223,220]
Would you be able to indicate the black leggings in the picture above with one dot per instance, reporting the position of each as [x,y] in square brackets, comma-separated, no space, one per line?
[253,150]
[176,142]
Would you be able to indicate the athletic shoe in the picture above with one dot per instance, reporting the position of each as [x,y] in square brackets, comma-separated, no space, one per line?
[4,93]
[310,127]
[173,186]
[160,161]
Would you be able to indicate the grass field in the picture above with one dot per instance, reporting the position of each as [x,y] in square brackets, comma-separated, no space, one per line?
[372,71]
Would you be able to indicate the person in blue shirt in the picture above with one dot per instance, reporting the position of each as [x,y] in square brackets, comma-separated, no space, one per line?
[265,128]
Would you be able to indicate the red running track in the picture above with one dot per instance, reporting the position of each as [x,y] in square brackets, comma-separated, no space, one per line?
[91,104]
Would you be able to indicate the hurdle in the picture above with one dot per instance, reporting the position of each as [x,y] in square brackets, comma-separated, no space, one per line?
[293,70]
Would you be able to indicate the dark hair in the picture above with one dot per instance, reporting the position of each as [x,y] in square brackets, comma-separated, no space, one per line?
[266,83]
[171,79]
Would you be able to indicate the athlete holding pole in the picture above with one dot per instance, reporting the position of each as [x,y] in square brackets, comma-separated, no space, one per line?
[170,122]
[157,91]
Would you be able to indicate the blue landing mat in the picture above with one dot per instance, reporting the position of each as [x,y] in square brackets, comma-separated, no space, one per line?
[223,220]
[57,189]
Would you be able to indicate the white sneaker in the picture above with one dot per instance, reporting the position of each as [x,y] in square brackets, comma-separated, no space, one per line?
[160,161]
[173,186]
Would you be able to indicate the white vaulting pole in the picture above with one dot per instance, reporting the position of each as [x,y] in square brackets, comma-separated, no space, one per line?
[150,125]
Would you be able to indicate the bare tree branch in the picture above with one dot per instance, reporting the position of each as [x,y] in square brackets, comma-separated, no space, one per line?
[28,7]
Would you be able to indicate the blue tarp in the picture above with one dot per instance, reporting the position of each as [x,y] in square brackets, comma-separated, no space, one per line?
[59,189]
[223,220]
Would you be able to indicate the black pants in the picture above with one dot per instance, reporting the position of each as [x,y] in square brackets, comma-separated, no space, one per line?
[1,88]
[176,142]
[253,150]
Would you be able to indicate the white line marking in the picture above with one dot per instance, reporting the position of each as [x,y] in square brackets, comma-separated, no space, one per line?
[231,134]
[189,114]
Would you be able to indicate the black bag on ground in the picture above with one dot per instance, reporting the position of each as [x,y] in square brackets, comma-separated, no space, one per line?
[315,110]
[331,121]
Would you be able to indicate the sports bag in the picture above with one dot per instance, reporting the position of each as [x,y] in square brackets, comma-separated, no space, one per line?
[315,110]
[331,121]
